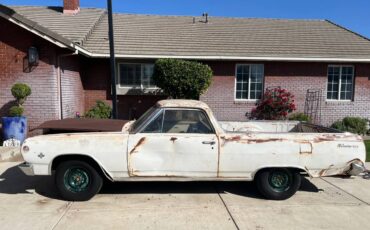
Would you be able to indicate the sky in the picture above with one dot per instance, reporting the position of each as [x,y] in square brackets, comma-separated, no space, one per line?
[352,14]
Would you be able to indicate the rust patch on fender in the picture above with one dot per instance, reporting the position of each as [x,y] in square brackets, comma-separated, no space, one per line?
[136,173]
[225,140]
[333,137]
[322,172]
[323,139]
[266,140]
[331,171]
[234,138]
[259,141]
[248,140]
[139,143]
[219,146]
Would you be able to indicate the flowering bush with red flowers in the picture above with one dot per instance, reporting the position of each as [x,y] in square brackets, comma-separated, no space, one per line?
[276,104]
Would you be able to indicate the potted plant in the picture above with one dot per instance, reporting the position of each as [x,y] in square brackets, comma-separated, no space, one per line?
[15,126]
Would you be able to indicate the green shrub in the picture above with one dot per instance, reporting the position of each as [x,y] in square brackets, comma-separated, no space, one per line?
[351,124]
[299,117]
[16,111]
[21,91]
[100,110]
[367,144]
[182,79]
[339,125]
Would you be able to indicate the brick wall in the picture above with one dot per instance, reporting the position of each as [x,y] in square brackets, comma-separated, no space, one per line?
[97,86]
[360,106]
[133,106]
[43,103]
[73,98]
[95,80]
[297,78]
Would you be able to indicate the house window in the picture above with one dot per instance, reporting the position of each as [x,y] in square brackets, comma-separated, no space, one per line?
[340,83]
[249,82]
[136,75]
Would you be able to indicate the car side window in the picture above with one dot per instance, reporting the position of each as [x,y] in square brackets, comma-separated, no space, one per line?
[186,121]
[155,126]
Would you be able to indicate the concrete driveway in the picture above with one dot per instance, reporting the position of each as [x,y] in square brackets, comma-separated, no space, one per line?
[329,203]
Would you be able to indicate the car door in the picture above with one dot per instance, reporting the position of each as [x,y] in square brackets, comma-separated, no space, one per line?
[174,143]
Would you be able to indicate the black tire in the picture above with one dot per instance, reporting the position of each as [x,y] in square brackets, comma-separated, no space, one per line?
[77,180]
[269,181]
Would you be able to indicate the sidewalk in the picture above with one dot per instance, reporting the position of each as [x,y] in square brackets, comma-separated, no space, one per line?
[321,203]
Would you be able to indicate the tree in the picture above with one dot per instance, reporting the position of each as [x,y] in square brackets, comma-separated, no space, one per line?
[182,79]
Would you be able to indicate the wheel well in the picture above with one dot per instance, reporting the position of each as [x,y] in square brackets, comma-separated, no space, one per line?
[290,168]
[75,157]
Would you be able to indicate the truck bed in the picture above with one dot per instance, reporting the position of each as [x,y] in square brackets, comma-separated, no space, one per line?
[275,127]
[76,125]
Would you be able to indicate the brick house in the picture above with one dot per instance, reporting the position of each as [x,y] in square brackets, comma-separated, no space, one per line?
[246,55]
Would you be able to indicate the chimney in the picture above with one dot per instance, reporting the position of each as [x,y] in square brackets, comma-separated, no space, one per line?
[71,7]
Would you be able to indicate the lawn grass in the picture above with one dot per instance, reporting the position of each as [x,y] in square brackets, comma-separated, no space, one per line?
[367,143]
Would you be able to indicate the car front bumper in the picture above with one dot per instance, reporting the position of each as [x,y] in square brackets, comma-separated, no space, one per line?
[27,169]
[356,168]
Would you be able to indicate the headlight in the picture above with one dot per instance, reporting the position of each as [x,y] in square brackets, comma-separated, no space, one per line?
[25,148]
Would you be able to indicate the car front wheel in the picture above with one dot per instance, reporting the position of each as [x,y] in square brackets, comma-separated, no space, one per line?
[278,183]
[77,180]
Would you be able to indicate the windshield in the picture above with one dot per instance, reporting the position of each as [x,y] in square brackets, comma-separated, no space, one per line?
[143,118]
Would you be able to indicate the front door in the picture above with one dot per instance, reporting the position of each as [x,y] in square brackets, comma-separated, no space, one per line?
[177,143]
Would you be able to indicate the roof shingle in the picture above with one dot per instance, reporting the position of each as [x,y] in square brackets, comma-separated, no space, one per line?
[76,28]
[179,36]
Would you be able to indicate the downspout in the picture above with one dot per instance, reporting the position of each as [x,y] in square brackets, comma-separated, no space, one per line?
[59,82]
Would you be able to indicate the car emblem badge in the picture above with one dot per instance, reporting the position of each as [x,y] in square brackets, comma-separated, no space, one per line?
[41,155]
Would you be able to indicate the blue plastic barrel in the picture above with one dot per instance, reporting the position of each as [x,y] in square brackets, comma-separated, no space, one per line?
[14,127]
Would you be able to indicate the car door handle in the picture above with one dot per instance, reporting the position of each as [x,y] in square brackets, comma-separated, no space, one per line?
[209,142]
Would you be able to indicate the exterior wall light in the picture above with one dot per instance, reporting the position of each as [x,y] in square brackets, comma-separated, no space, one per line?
[33,56]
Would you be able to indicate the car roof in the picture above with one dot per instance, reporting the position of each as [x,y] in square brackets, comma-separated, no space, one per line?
[182,103]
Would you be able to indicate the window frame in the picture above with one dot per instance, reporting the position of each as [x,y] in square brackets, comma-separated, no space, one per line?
[249,82]
[161,113]
[340,83]
[142,71]
[154,115]
[175,108]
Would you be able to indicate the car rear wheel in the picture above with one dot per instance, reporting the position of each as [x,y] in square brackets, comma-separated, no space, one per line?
[278,183]
[77,180]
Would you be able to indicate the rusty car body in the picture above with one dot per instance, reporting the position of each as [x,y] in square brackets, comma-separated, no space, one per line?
[181,140]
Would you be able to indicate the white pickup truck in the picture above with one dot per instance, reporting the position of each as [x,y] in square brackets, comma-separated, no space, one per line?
[180,140]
